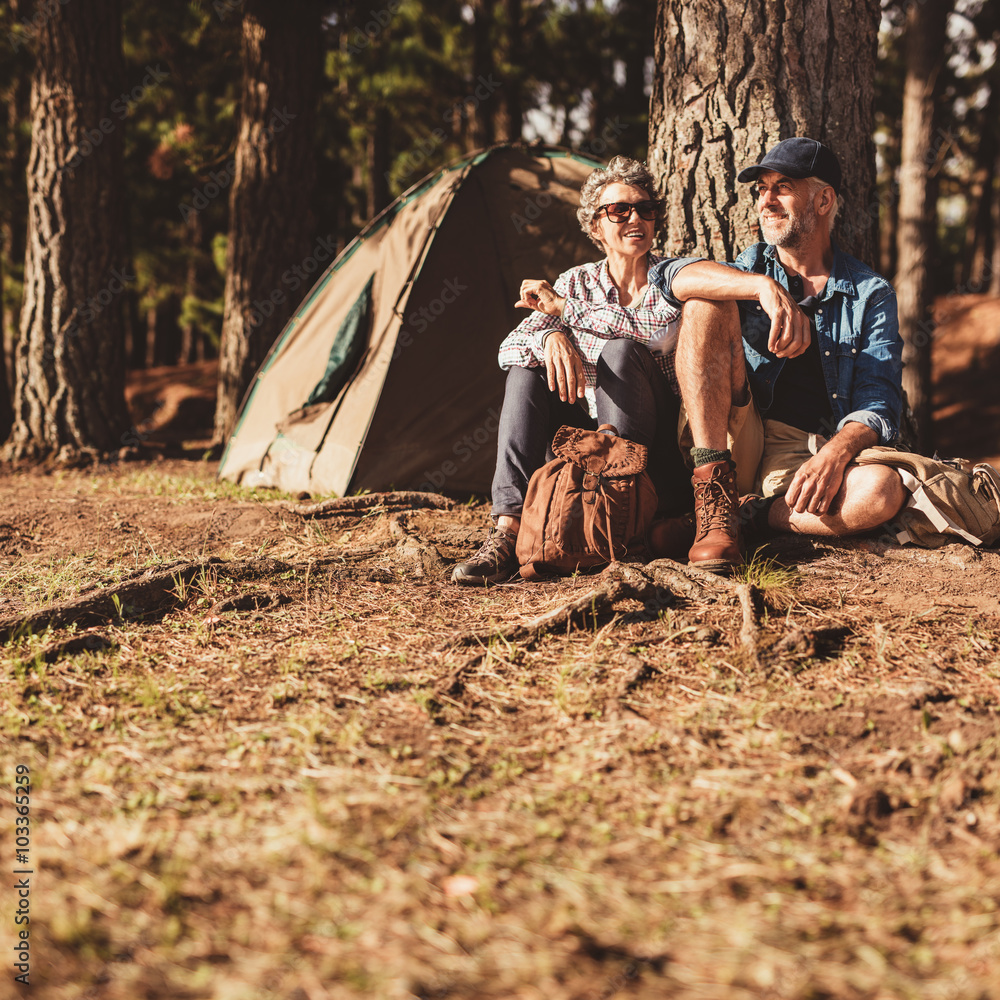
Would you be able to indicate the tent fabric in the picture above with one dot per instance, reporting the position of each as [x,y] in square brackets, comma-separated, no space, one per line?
[346,350]
[387,377]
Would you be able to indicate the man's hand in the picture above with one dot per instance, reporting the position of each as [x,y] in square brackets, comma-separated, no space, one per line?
[540,296]
[790,330]
[564,366]
[817,482]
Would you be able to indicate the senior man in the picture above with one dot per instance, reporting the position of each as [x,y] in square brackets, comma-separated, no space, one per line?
[822,347]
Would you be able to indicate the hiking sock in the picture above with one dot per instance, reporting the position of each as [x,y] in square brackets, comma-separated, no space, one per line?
[703,456]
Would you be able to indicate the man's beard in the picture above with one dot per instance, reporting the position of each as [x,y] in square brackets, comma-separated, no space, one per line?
[794,229]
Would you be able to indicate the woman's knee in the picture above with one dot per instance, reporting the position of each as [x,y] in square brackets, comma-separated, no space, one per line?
[622,355]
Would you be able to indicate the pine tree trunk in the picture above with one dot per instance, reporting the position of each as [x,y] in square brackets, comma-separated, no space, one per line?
[6,410]
[193,232]
[995,256]
[378,159]
[481,127]
[13,216]
[732,78]
[889,219]
[508,118]
[270,206]
[70,376]
[925,27]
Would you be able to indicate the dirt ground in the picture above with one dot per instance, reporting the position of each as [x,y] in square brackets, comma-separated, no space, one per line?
[273,752]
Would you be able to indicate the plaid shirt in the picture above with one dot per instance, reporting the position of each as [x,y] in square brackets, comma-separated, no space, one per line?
[592,317]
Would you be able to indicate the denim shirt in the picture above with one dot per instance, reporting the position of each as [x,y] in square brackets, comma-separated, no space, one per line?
[857,331]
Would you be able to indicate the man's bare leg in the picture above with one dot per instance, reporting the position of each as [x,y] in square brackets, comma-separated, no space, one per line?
[712,376]
[869,496]
[710,368]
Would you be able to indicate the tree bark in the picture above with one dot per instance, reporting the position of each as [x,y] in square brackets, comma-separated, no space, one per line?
[70,376]
[481,126]
[193,232]
[732,78]
[509,118]
[925,27]
[889,219]
[379,124]
[13,214]
[270,206]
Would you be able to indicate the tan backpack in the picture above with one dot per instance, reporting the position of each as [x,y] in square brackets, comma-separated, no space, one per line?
[946,504]
[590,506]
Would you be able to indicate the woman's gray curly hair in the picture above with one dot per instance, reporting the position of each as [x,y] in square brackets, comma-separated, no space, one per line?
[621,170]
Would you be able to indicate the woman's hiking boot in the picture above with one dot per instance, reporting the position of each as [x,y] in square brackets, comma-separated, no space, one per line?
[495,562]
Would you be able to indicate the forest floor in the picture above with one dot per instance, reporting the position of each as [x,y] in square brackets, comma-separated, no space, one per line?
[274,753]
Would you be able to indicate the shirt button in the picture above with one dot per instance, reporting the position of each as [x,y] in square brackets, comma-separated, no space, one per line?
[819,312]
[834,395]
[759,308]
[854,350]
[827,353]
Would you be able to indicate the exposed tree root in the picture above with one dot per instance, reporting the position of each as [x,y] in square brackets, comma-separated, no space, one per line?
[154,591]
[399,500]
[748,630]
[619,581]
[594,602]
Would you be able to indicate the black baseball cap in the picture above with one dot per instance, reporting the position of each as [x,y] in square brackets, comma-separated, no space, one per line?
[797,157]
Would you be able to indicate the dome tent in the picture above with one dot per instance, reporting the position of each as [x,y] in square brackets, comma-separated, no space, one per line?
[386,377]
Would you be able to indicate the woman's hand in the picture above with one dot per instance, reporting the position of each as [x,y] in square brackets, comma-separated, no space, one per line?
[564,366]
[541,296]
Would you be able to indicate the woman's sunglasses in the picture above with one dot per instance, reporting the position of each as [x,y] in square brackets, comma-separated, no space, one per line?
[621,211]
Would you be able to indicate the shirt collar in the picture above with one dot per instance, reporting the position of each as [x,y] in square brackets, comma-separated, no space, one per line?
[840,279]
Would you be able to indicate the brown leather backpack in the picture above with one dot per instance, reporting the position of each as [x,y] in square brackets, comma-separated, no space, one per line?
[590,506]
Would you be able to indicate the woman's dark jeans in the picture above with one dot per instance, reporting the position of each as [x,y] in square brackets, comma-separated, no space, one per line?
[632,394]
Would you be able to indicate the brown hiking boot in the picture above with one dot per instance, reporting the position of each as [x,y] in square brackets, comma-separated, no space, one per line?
[716,508]
[671,537]
[495,562]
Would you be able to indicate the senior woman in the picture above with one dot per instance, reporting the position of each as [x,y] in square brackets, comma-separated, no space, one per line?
[596,349]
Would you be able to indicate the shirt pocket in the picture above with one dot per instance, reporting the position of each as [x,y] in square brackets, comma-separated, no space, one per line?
[847,354]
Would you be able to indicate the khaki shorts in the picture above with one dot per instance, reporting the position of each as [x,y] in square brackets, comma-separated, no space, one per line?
[785,449]
[746,442]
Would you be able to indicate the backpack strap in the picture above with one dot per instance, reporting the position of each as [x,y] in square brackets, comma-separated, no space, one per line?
[922,502]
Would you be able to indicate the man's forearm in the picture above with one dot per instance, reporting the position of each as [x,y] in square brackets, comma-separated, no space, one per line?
[705,279]
[849,441]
